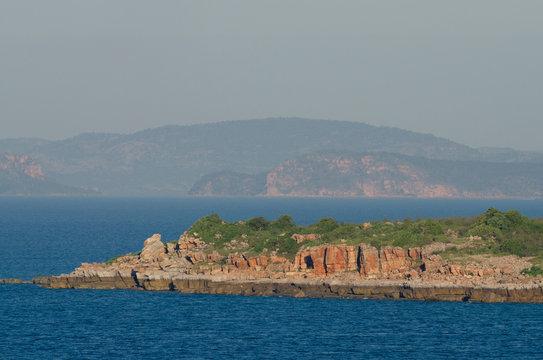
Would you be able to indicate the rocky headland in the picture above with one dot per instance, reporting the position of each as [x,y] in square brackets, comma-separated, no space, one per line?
[343,269]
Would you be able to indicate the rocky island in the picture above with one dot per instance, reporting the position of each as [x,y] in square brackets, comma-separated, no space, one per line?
[493,257]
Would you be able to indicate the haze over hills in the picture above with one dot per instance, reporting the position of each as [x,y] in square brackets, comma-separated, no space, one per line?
[345,174]
[170,160]
[21,175]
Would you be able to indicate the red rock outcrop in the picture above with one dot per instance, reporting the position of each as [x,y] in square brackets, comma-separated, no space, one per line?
[369,261]
[303,261]
[415,253]
[340,258]
[317,255]
[239,261]
[327,259]
[186,242]
[393,260]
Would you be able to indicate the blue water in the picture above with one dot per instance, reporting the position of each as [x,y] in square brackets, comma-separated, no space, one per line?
[54,235]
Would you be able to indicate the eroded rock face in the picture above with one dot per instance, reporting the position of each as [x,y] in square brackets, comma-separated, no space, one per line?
[258,261]
[327,259]
[303,261]
[340,258]
[369,261]
[239,261]
[394,260]
[318,255]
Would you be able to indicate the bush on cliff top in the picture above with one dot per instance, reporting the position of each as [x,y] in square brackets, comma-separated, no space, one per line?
[500,233]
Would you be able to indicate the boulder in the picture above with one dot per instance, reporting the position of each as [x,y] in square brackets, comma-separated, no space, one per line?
[303,237]
[154,250]
[415,253]
[186,242]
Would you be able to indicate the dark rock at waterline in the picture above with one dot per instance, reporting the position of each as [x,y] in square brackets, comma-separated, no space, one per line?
[13,281]
[387,290]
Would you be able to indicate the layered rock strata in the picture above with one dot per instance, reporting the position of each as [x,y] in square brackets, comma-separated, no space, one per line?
[371,289]
[354,271]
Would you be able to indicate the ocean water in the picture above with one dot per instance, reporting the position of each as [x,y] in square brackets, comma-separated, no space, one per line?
[54,235]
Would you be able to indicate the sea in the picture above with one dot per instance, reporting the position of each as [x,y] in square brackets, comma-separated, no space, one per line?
[53,235]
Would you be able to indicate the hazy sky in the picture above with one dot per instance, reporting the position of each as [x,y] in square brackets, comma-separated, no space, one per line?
[471,71]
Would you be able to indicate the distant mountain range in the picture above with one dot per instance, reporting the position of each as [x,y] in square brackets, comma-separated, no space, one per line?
[237,157]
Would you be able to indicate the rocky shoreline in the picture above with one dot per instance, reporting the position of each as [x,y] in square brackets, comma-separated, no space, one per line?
[369,289]
[332,271]
[316,288]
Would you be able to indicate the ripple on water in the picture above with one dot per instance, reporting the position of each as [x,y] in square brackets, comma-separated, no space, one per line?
[94,324]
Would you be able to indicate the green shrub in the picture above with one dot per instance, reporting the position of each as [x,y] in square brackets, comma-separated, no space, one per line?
[288,247]
[533,271]
[325,225]
[495,218]
[259,223]
[514,219]
[513,246]
[284,222]
[484,231]
[430,227]
[503,221]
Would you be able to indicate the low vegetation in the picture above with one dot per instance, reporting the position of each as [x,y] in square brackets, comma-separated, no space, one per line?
[533,271]
[113,260]
[118,257]
[494,232]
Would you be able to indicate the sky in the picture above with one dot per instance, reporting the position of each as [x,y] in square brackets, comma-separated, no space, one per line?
[470,71]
